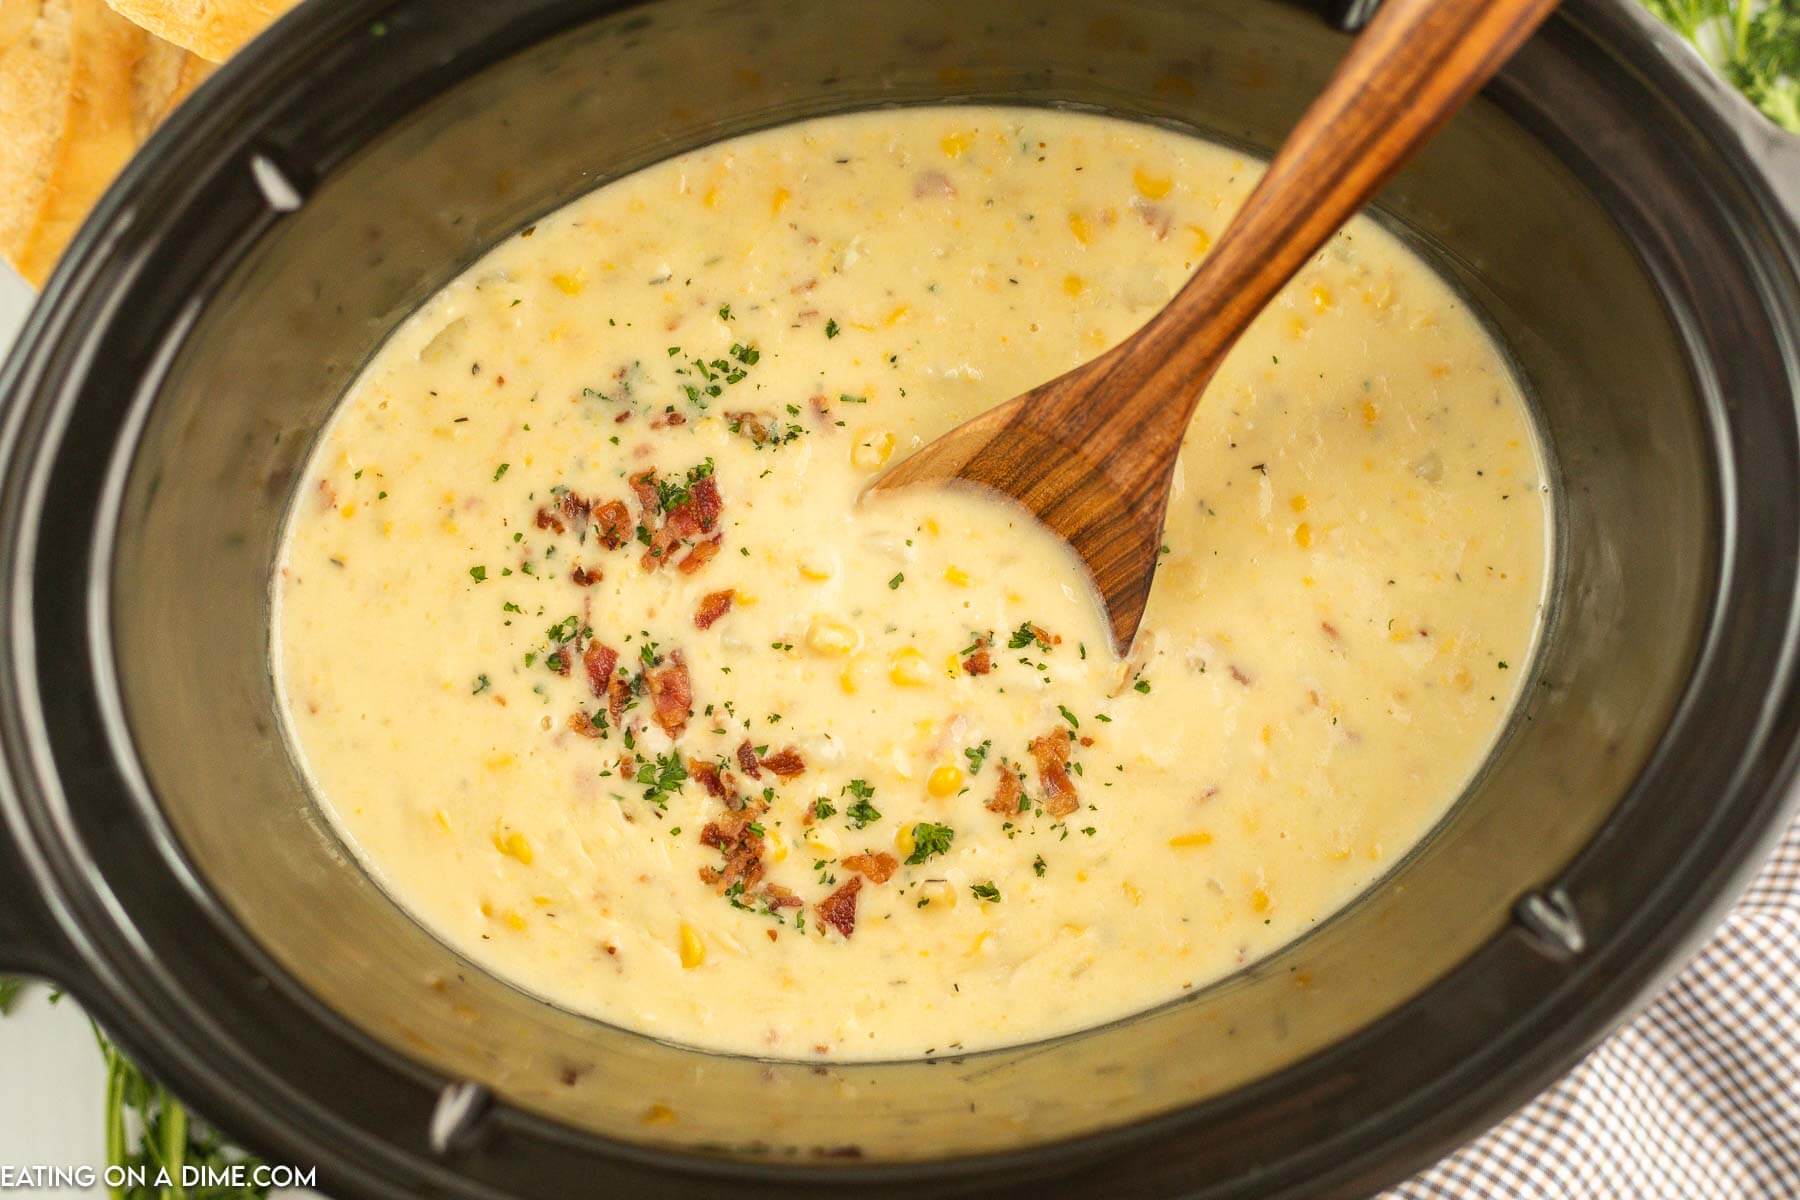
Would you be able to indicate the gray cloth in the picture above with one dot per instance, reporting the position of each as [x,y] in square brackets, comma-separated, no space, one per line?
[1697,1099]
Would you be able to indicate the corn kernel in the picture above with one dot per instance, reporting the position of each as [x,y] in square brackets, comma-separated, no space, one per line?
[980,941]
[820,843]
[930,525]
[513,921]
[872,449]
[1303,535]
[1370,414]
[496,762]
[830,636]
[659,1114]
[693,950]
[906,667]
[1079,226]
[1186,841]
[904,841]
[897,315]
[1298,503]
[847,681]
[816,569]
[778,200]
[568,285]
[1151,187]
[957,576]
[952,664]
[514,845]
[1259,901]
[954,145]
[1132,892]
[944,781]
[778,847]
[348,511]
[938,893]
[443,820]
[1074,285]
[1202,239]
[1320,295]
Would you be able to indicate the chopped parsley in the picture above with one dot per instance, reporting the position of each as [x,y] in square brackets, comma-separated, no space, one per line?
[978,755]
[662,778]
[929,841]
[861,812]
[986,891]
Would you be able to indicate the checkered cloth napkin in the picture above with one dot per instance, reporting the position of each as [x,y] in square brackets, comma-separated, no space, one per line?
[1697,1099]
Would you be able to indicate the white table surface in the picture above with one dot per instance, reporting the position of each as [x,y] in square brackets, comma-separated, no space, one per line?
[52,1081]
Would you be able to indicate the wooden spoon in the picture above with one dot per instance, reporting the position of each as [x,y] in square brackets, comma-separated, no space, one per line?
[1092,453]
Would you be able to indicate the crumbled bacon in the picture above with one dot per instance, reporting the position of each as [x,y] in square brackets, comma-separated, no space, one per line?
[549,520]
[785,763]
[614,521]
[1238,674]
[575,509]
[713,605]
[838,910]
[643,485]
[560,659]
[671,693]
[708,776]
[751,425]
[747,763]
[581,723]
[667,419]
[618,698]
[821,410]
[879,866]
[600,662]
[742,847]
[1052,754]
[979,663]
[1006,794]
[583,577]
[700,555]
[779,897]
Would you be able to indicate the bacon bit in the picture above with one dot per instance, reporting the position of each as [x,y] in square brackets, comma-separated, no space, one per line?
[549,520]
[600,662]
[932,183]
[1085,740]
[979,663]
[746,758]
[821,409]
[561,659]
[1239,675]
[1052,754]
[1330,632]
[1006,795]
[643,485]
[700,555]
[732,836]
[707,502]
[713,605]
[750,425]
[667,420]
[779,897]
[878,866]
[838,910]
[584,577]
[1044,635]
[580,723]
[786,764]
[671,693]
[623,417]
[708,775]
[614,522]
[576,509]
[805,286]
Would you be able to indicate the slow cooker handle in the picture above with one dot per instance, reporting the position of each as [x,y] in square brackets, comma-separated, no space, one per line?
[30,943]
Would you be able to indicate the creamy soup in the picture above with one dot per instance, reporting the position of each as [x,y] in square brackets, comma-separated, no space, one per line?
[600,668]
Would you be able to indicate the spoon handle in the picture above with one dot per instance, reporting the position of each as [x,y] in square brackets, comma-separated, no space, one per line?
[1415,65]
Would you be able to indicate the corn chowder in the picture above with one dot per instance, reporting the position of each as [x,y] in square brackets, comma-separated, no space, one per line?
[600,668]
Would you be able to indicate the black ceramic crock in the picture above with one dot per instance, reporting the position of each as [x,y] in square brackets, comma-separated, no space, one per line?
[1627,228]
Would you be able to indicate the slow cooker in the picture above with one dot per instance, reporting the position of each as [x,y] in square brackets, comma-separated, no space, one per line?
[1629,229]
